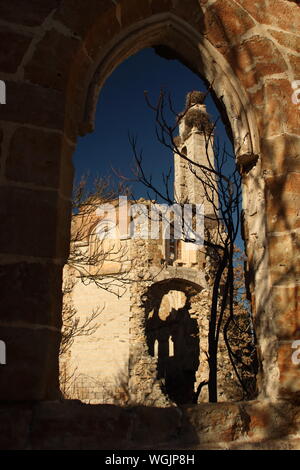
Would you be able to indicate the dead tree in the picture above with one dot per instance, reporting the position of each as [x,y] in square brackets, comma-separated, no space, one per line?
[88,249]
[87,256]
[89,252]
[221,183]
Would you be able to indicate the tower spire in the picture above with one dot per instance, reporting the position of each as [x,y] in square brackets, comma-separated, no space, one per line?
[195,140]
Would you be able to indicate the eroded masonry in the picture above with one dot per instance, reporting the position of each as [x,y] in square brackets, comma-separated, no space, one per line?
[61,53]
[150,342]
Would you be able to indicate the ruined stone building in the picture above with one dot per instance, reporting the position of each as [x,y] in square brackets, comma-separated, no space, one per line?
[55,57]
[151,341]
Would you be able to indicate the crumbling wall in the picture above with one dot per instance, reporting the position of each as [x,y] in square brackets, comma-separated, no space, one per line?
[62,53]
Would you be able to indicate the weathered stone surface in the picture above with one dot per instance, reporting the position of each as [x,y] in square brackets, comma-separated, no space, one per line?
[287,300]
[31,369]
[158,6]
[15,423]
[78,81]
[281,154]
[255,58]
[1,139]
[63,225]
[35,157]
[213,424]
[251,60]
[30,221]
[138,10]
[286,39]
[151,345]
[102,30]
[66,169]
[284,215]
[224,16]
[73,425]
[78,18]
[289,372]
[268,13]
[31,104]
[39,305]
[190,12]
[294,61]
[13,48]
[34,15]
[54,72]
[284,258]
[272,444]
[152,426]
[277,115]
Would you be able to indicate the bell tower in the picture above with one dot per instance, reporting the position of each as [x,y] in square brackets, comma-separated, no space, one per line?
[195,140]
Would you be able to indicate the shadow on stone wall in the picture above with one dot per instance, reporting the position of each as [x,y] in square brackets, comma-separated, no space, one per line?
[73,425]
[176,368]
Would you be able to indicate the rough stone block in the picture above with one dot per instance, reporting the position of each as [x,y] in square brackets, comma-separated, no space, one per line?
[47,67]
[286,311]
[281,154]
[33,15]
[104,27]
[256,58]
[35,157]
[284,258]
[208,422]
[13,47]
[80,16]
[25,294]
[30,222]
[267,13]
[278,115]
[31,104]
[295,64]
[66,169]
[158,6]
[15,423]
[286,39]
[73,425]
[224,16]
[190,12]
[289,372]
[136,11]
[1,139]
[31,369]
[282,202]
[155,425]
[63,229]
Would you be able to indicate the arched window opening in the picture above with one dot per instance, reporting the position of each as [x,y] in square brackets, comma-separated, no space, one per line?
[171,347]
[156,346]
[173,339]
[176,356]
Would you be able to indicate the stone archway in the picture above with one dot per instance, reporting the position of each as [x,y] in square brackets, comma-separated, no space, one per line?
[172,336]
[50,101]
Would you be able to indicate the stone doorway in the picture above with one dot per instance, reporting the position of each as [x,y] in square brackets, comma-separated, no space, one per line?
[172,336]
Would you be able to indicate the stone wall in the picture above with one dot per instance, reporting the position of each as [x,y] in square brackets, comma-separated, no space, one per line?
[97,363]
[157,301]
[61,53]
[72,425]
[118,357]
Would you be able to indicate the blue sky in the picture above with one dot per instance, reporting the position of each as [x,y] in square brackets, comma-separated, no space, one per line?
[122,108]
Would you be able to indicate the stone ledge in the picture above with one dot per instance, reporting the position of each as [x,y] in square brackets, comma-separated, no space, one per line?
[73,425]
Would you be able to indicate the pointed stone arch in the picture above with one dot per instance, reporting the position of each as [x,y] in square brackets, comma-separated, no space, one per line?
[170,33]
[64,52]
